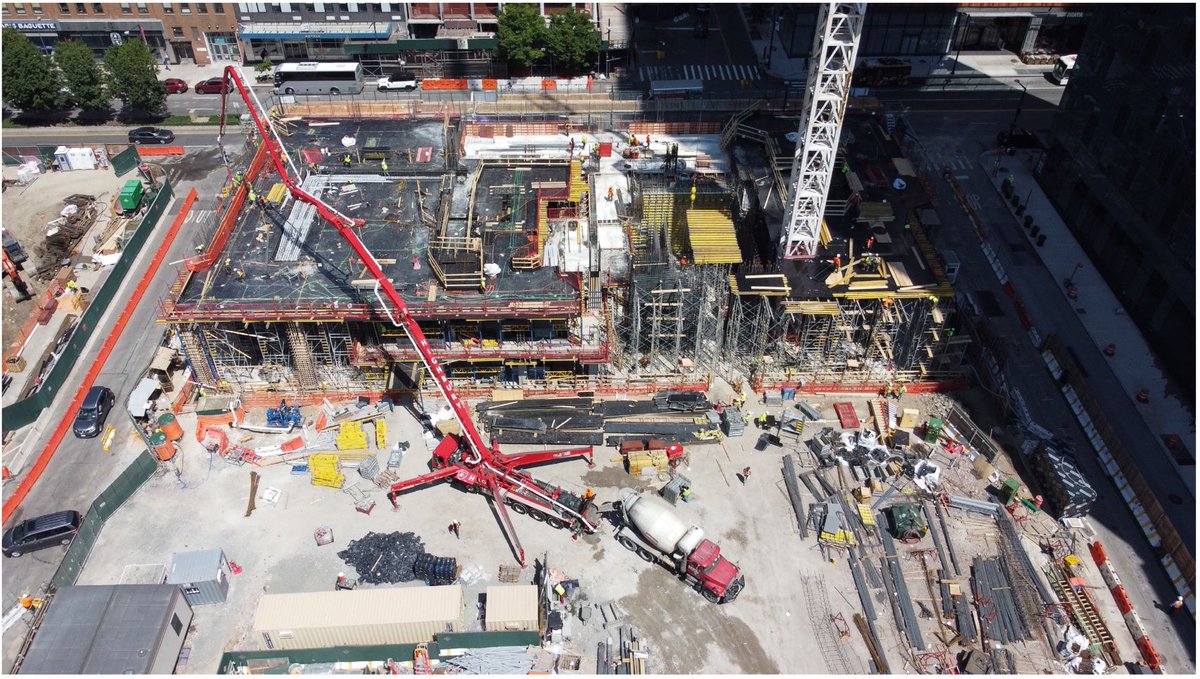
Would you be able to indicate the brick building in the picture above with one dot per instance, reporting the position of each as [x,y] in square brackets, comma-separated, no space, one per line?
[183,32]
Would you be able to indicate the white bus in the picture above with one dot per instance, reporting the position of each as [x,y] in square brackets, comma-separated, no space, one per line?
[315,77]
[1062,69]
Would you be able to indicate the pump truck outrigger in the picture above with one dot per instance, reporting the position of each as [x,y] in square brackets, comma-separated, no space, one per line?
[465,458]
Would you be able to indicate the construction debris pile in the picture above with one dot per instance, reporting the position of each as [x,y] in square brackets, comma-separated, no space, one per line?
[63,233]
[397,557]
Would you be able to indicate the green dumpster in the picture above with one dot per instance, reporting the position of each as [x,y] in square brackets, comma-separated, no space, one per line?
[131,195]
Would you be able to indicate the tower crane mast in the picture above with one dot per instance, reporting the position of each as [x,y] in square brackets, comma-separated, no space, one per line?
[827,92]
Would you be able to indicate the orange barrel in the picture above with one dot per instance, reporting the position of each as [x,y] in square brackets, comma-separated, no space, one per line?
[163,447]
[170,426]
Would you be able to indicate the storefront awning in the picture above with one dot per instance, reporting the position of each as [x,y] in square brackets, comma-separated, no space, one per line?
[363,30]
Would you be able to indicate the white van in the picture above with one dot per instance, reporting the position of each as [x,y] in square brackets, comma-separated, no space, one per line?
[1062,69]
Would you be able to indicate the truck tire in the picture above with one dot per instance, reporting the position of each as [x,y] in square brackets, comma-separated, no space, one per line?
[518,507]
[536,515]
[555,522]
[646,555]
[710,596]
[627,543]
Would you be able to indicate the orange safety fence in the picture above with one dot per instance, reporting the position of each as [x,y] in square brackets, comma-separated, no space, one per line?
[184,395]
[443,84]
[489,84]
[147,151]
[64,424]
[549,84]
[223,418]
[14,348]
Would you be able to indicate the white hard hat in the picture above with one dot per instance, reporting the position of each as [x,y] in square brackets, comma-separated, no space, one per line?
[341,575]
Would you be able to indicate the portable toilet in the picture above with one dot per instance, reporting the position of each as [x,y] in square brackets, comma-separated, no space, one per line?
[63,158]
[202,576]
[131,194]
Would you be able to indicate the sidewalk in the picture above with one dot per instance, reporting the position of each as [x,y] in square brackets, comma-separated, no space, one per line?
[192,74]
[1101,314]
[1003,67]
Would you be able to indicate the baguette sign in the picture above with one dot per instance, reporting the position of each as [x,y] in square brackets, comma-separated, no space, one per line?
[32,25]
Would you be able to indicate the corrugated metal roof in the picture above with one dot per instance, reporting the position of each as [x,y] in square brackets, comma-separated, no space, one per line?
[374,606]
[512,603]
[200,566]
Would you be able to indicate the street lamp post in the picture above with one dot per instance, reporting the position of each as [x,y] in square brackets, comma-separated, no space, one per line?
[961,38]
[1020,103]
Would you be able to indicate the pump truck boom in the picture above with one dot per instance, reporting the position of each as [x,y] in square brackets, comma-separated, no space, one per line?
[464,458]
[651,529]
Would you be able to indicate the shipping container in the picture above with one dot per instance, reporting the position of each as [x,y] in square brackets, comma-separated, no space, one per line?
[202,576]
[512,608]
[360,617]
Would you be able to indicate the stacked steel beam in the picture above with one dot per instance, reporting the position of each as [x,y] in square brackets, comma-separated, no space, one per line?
[999,613]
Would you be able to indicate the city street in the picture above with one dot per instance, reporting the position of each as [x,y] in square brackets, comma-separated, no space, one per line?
[80,468]
[956,139]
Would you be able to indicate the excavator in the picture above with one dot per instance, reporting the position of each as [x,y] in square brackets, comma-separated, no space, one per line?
[464,458]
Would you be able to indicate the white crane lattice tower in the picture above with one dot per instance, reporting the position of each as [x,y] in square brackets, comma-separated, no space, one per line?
[826,95]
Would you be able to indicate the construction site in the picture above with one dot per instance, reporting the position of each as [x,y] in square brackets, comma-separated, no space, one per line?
[718,357]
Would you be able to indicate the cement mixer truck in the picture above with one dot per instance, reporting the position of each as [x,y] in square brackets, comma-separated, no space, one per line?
[651,529]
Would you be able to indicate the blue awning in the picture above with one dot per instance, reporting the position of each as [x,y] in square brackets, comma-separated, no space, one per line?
[335,30]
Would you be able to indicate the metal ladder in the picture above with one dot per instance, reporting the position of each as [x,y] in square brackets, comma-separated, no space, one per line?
[1082,611]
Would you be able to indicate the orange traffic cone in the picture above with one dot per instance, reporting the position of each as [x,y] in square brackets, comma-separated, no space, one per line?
[5,474]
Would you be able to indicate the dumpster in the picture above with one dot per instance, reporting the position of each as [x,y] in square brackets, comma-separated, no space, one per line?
[131,195]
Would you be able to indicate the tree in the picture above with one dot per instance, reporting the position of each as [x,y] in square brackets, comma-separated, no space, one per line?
[133,77]
[30,81]
[520,33]
[572,41]
[82,75]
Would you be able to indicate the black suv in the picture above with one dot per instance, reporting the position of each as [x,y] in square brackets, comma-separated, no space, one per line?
[58,528]
[94,411]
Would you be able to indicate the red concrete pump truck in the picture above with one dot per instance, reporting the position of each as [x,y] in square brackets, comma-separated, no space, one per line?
[465,458]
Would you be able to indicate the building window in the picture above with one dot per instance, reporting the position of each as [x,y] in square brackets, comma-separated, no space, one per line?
[185,8]
[97,8]
[126,8]
[64,8]
[4,8]
[142,8]
[202,7]
[36,6]
[176,31]
[20,7]
[219,7]
[176,623]
[168,8]
[81,8]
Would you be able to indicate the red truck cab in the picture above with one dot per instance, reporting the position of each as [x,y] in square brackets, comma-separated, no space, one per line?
[717,578]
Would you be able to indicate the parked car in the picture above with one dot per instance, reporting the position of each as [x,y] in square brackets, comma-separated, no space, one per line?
[151,135]
[397,81]
[41,532]
[175,86]
[212,86]
[89,421]
[1018,138]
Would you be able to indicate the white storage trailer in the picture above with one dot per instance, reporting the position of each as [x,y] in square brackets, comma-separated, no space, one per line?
[360,617]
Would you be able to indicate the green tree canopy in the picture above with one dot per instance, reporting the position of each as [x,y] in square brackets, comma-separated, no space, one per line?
[520,32]
[133,77]
[30,81]
[572,41]
[82,75]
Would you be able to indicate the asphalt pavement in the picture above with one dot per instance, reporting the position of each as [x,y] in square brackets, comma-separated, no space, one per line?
[80,468]
[957,141]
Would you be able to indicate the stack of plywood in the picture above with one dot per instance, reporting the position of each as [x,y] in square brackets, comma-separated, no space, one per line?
[647,459]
